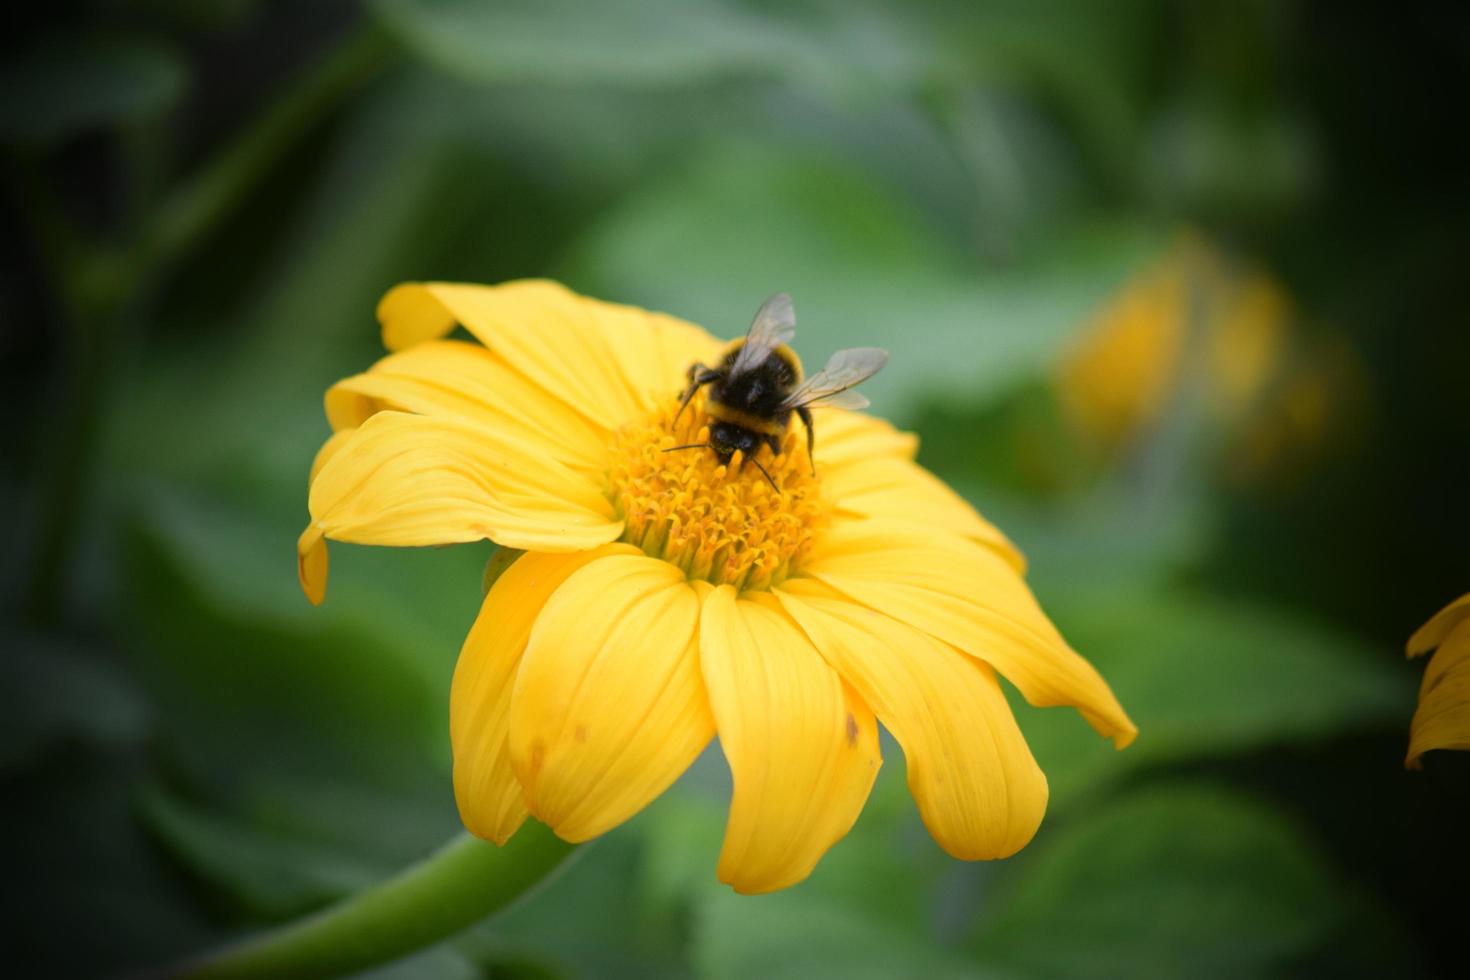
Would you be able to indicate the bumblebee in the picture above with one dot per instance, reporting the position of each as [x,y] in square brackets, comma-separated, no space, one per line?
[758,385]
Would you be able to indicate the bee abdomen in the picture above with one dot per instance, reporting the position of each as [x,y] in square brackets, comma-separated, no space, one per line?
[764,424]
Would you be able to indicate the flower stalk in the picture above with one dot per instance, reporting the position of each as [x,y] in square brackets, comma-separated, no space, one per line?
[457,886]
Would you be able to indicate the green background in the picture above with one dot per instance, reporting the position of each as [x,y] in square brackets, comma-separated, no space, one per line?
[203,202]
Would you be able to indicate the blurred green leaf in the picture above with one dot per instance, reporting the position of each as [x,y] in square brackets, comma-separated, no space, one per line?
[798,934]
[65,86]
[331,728]
[712,240]
[264,875]
[586,921]
[1204,676]
[578,43]
[868,909]
[52,691]
[1184,881]
[441,962]
[678,42]
[86,893]
[437,963]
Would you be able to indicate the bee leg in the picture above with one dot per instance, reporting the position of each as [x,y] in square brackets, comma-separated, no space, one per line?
[811,436]
[699,376]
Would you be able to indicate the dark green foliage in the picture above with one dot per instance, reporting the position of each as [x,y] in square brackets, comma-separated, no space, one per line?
[191,751]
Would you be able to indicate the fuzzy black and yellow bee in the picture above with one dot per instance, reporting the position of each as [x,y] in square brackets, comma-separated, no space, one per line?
[758,384]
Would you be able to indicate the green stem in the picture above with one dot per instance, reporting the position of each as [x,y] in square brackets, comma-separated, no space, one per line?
[450,890]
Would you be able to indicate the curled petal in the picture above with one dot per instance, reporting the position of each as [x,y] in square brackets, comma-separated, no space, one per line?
[311,547]
[802,746]
[409,480]
[312,564]
[979,790]
[609,707]
[491,802]
[969,597]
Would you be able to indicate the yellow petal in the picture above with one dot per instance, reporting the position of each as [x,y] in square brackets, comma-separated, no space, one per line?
[979,790]
[844,437]
[490,799]
[968,597]
[410,480]
[802,747]
[609,707]
[311,564]
[453,379]
[895,489]
[610,362]
[311,546]
[330,448]
[1442,720]
[1433,633]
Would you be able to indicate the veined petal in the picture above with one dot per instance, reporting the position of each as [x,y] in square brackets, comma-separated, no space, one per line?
[610,362]
[895,489]
[1442,720]
[653,351]
[968,597]
[844,437]
[454,379]
[609,707]
[979,790]
[491,801]
[802,746]
[1433,633]
[411,480]
[311,547]
[330,448]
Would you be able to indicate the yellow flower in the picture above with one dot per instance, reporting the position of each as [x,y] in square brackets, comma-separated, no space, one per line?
[664,599]
[1442,720]
[1189,319]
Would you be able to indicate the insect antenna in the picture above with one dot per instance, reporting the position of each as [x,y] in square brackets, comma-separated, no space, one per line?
[764,473]
[692,445]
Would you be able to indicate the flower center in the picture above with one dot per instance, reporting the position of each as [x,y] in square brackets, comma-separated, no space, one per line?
[723,523]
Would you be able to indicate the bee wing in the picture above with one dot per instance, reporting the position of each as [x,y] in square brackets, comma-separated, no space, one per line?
[844,370]
[843,399]
[774,325]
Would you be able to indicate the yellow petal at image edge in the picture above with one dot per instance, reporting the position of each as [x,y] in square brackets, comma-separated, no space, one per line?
[491,802]
[408,480]
[978,788]
[1433,633]
[968,597]
[802,746]
[609,707]
[1442,719]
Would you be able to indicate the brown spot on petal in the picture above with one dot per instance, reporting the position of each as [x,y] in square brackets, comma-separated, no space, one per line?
[580,734]
[538,755]
[852,729]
